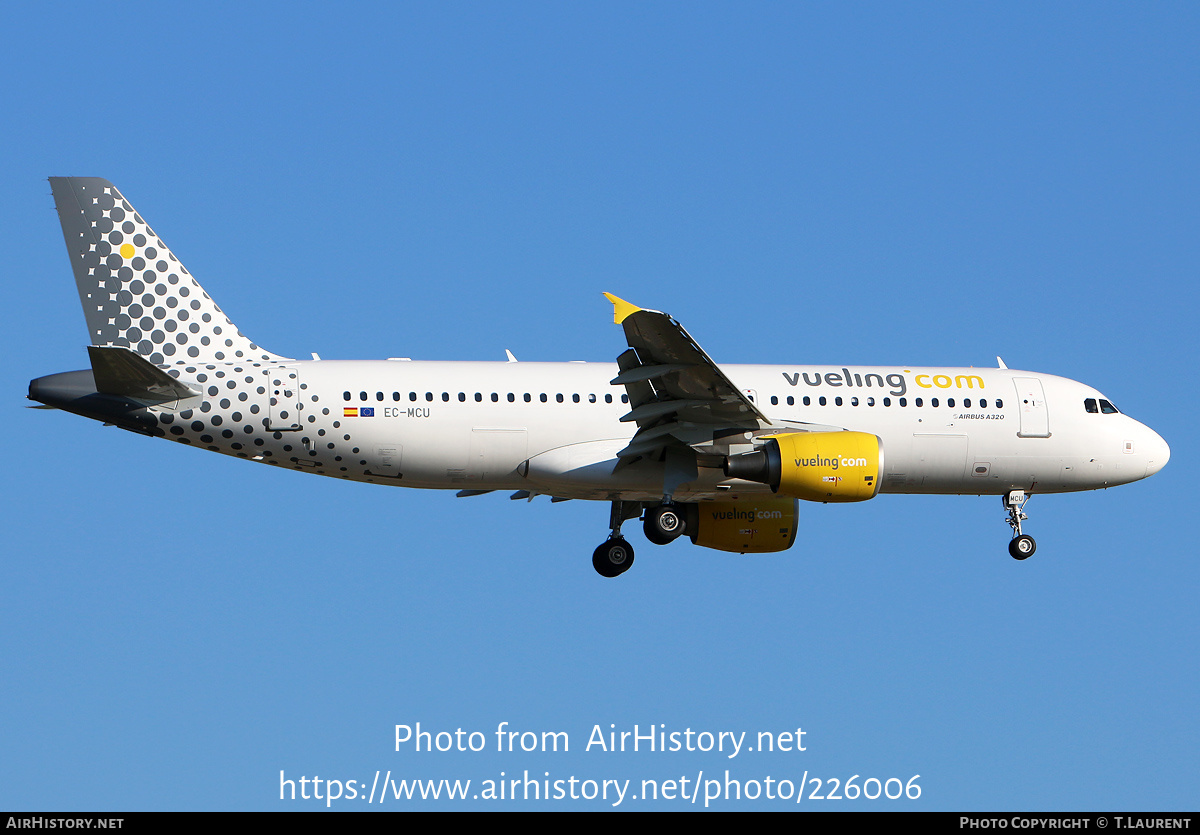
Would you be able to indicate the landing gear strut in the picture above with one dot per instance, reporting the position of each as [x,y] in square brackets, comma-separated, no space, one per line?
[1022,545]
[615,555]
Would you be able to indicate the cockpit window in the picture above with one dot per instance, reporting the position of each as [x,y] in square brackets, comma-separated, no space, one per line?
[1108,408]
[1090,406]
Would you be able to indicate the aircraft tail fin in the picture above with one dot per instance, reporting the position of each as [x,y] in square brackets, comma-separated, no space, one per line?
[135,293]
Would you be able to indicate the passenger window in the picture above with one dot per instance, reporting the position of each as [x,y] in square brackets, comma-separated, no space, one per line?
[362,395]
[445,397]
[774,400]
[853,401]
[574,398]
[807,400]
[1108,408]
[950,402]
[791,401]
[821,400]
[512,397]
[542,397]
[591,398]
[528,397]
[1089,406]
[396,396]
[933,402]
[999,403]
[887,401]
[624,398]
[379,396]
[870,401]
[478,397]
[345,395]
[967,403]
[837,401]
[982,404]
[903,401]
[558,397]
[495,397]
[917,403]
[429,396]
[412,395]
[608,398]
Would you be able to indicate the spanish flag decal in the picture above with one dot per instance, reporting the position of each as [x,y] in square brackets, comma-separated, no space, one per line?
[349,412]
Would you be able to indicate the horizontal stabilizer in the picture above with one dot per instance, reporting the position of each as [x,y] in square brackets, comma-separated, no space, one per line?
[120,372]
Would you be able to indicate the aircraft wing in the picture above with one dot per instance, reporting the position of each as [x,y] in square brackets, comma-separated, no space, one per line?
[677,395]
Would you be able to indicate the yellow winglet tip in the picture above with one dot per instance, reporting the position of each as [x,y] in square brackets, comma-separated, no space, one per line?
[621,308]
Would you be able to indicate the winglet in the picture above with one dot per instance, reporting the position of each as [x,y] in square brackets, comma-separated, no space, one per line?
[621,308]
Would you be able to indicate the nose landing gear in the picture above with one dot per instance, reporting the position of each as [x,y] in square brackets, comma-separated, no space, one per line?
[1022,545]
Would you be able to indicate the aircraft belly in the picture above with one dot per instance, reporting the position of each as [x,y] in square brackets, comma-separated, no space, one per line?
[1036,473]
[590,465]
[983,462]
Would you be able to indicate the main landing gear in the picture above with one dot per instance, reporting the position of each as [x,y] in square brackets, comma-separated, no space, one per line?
[615,555]
[663,524]
[1022,545]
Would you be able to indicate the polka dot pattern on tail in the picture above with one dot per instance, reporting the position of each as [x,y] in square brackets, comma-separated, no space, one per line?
[124,271]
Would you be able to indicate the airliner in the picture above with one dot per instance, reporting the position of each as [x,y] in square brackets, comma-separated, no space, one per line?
[721,454]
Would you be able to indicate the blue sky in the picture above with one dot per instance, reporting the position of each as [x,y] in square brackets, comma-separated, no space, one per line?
[848,184]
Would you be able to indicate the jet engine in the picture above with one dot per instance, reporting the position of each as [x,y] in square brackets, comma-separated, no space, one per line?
[814,466]
[748,526]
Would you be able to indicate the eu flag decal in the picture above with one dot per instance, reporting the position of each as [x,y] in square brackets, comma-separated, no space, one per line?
[366,412]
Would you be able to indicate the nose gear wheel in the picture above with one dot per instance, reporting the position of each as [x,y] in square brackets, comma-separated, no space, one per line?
[1022,545]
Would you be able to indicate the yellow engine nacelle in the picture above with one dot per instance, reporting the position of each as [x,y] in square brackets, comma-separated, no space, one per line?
[748,526]
[815,466]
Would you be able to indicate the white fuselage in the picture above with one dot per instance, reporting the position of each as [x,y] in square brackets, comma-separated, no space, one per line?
[555,428]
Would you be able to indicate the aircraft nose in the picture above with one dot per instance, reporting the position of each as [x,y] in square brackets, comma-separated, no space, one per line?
[1156,451]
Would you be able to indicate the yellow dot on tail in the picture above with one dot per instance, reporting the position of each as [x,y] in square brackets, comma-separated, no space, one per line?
[127,250]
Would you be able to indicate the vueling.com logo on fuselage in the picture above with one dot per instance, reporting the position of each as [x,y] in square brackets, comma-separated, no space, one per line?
[896,384]
[831,463]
